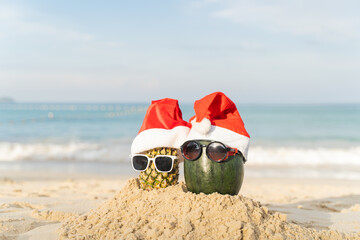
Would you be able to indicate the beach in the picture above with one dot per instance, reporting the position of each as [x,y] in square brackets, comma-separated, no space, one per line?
[63,167]
[107,109]
[34,205]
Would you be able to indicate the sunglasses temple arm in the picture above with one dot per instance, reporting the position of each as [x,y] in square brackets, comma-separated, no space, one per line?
[233,151]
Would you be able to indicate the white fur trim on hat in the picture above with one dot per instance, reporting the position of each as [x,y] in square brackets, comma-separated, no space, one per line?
[226,136]
[202,127]
[159,137]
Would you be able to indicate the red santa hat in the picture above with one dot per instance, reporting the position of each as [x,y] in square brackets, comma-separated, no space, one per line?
[217,118]
[163,126]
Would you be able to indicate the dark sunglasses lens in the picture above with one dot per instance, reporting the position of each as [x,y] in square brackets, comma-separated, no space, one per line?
[140,162]
[191,150]
[216,151]
[163,164]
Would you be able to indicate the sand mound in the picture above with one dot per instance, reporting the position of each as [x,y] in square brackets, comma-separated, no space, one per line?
[174,213]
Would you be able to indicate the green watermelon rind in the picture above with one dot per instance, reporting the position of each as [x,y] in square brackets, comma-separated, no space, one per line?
[206,176]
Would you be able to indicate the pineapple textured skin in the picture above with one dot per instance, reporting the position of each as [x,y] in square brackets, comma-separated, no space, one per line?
[152,179]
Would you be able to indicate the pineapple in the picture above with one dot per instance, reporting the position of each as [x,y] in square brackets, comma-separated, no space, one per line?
[151,178]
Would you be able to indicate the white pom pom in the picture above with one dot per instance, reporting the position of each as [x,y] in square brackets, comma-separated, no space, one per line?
[202,127]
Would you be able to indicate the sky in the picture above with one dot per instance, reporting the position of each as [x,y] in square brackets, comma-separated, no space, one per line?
[137,51]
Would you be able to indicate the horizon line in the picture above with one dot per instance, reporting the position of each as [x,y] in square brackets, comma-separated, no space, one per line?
[182,102]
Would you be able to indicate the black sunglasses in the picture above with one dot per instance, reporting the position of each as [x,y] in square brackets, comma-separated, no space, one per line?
[163,163]
[215,151]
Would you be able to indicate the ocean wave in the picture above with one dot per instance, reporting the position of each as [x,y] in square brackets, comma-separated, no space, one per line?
[71,151]
[119,150]
[304,156]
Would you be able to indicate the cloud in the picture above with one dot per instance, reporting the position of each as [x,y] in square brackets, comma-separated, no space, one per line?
[324,21]
[16,21]
[35,85]
[50,78]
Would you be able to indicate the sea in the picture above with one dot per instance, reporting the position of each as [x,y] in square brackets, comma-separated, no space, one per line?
[296,141]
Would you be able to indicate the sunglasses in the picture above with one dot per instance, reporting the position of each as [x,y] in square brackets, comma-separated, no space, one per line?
[215,151]
[163,163]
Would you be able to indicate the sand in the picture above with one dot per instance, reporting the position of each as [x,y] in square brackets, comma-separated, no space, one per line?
[32,205]
[50,207]
[175,213]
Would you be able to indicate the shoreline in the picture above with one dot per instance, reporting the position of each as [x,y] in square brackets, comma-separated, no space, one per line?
[113,169]
[35,196]
[33,203]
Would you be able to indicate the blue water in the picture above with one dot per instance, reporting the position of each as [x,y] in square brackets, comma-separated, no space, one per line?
[280,134]
[320,125]
[310,125]
[64,122]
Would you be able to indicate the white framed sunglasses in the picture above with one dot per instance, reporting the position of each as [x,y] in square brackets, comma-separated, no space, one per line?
[163,163]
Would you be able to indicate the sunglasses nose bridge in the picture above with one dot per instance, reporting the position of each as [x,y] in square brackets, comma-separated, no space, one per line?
[151,160]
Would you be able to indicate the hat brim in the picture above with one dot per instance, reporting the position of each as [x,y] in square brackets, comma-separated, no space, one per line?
[158,137]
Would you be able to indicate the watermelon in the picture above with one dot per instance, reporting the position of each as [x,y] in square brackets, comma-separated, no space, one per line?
[206,176]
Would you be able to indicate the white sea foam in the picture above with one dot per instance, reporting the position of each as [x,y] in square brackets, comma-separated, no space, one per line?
[119,151]
[304,156]
[72,151]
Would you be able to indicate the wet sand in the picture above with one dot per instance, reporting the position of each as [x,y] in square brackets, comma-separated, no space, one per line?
[34,203]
